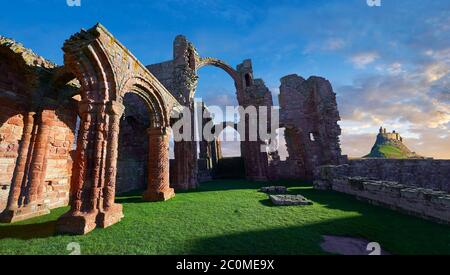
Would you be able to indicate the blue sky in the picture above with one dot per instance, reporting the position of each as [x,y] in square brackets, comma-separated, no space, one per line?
[388,65]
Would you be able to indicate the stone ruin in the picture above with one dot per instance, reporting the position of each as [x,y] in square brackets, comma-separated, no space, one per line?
[310,116]
[99,124]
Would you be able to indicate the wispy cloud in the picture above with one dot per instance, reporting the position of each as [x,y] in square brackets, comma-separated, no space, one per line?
[361,60]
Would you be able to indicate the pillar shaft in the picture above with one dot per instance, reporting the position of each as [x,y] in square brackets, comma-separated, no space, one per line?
[158,188]
[22,159]
[38,161]
[26,198]
[115,111]
[94,171]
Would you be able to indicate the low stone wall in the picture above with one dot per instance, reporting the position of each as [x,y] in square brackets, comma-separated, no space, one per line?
[426,173]
[421,202]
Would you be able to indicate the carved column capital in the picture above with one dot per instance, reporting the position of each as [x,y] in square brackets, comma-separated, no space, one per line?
[115,108]
[85,107]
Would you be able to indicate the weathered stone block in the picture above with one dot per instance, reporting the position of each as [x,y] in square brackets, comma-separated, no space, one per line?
[289,200]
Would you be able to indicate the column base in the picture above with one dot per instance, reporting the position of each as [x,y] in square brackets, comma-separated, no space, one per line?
[153,196]
[83,223]
[24,213]
[108,217]
[77,223]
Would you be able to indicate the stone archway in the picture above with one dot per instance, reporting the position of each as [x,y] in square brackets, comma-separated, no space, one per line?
[106,71]
[225,67]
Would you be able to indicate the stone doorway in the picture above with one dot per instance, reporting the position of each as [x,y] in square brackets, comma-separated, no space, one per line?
[133,150]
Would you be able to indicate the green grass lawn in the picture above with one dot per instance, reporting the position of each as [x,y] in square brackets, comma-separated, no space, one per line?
[233,218]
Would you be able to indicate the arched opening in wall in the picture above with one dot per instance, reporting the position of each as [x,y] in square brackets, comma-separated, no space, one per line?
[230,164]
[217,91]
[230,143]
[133,148]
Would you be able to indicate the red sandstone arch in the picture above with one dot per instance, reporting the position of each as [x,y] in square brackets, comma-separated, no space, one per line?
[224,66]
[152,98]
[107,71]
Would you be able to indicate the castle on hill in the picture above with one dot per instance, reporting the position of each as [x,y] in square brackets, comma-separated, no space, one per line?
[390,145]
[390,136]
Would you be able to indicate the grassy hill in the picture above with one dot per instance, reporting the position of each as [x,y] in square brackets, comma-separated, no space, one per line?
[388,152]
[390,146]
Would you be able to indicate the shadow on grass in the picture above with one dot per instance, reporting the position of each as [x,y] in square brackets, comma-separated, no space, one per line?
[306,239]
[28,231]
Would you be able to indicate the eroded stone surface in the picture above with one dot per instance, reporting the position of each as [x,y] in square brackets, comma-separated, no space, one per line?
[288,200]
[310,117]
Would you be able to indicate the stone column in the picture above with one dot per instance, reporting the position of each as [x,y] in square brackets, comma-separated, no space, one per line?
[158,166]
[115,111]
[81,219]
[26,197]
[93,179]
[110,212]
[37,171]
[21,165]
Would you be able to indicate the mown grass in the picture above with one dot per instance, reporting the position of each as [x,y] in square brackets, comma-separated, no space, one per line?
[232,217]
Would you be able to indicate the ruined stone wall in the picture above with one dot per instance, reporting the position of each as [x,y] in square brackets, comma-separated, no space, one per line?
[425,173]
[10,135]
[12,109]
[164,73]
[422,202]
[254,93]
[37,129]
[309,113]
[283,170]
[57,162]
[60,154]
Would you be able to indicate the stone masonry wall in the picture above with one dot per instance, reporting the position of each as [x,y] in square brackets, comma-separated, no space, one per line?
[164,73]
[10,135]
[309,113]
[425,173]
[60,158]
[422,202]
[419,187]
